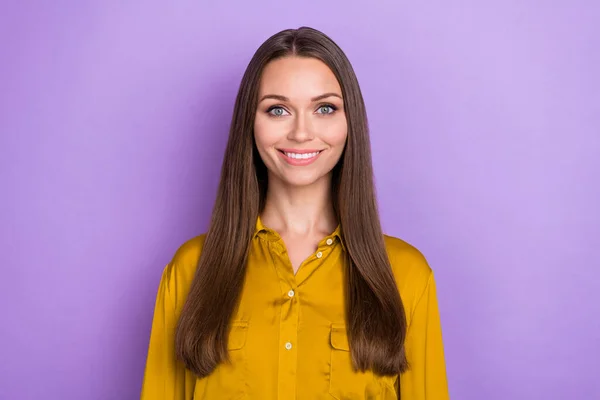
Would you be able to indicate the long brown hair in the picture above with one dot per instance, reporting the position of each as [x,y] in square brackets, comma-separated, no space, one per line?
[375,317]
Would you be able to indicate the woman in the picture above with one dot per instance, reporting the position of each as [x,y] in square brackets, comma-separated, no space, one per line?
[294,292]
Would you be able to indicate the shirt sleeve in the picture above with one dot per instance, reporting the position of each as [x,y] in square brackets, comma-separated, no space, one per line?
[165,377]
[426,376]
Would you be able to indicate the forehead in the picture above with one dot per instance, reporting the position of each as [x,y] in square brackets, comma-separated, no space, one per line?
[298,77]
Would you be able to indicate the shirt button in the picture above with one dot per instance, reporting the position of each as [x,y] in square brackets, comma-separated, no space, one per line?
[288,346]
[319,255]
[329,241]
[291,293]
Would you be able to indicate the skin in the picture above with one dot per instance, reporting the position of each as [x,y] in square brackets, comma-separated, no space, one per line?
[298,204]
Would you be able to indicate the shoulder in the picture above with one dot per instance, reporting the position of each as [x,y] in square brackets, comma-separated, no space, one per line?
[187,255]
[407,261]
[410,268]
[180,271]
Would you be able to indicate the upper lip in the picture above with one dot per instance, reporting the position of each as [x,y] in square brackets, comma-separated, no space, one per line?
[297,151]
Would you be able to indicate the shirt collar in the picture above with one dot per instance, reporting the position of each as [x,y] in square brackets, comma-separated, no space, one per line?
[270,235]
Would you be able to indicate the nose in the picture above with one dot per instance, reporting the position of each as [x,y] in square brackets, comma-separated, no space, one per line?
[301,131]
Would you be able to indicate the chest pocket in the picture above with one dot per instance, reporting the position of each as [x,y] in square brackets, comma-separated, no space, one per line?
[229,379]
[347,384]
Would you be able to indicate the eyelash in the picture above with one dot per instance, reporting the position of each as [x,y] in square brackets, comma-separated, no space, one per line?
[333,109]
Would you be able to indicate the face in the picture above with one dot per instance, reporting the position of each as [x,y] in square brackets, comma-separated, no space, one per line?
[300,126]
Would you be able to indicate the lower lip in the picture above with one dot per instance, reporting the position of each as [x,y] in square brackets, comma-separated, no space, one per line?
[298,161]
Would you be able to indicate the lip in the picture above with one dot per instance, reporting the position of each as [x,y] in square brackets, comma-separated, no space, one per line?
[300,151]
[299,162]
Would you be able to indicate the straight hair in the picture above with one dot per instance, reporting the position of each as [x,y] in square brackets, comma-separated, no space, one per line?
[374,313]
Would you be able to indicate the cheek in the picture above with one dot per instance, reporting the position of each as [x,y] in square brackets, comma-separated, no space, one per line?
[336,133]
[265,133]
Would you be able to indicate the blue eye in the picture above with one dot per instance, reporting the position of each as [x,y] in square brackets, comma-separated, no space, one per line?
[326,109]
[277,111]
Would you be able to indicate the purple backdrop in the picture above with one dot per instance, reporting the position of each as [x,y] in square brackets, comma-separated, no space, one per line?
[485,123]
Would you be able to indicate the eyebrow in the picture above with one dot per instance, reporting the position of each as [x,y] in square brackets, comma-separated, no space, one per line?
[283,98]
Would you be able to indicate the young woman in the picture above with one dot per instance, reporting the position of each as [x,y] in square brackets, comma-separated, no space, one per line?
[294,292]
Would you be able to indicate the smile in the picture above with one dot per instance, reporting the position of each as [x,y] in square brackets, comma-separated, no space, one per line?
[300,158]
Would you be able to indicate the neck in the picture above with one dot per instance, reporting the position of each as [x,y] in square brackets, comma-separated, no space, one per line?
[299,210]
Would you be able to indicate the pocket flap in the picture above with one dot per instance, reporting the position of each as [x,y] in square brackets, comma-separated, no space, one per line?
[339,338]
[237,335]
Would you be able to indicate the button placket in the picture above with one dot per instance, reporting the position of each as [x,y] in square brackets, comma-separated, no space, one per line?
[288,326]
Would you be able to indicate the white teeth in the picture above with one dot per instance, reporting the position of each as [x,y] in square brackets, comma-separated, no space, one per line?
[302,156]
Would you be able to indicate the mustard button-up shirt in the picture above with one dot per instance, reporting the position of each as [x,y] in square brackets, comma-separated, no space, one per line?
[288,339]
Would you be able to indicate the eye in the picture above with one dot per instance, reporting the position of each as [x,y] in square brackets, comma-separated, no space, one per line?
[277,111]
[326,109]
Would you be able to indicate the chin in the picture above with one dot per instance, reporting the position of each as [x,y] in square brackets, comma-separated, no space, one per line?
[299,181]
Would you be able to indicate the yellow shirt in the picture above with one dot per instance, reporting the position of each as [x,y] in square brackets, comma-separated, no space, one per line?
[288,339]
